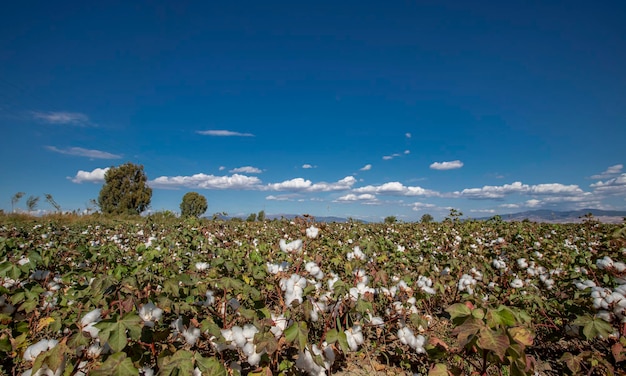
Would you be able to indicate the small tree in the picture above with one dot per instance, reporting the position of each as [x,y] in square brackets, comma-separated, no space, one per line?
[31,203]
[427,218]
[193,205]
[16,197]
[125,190]
[251,217]
[51,201]
[261,216]
[391,219]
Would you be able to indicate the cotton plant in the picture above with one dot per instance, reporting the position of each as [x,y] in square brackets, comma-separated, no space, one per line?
[306,361]
[89,321]
[356,254]
[150,314]
[293,288]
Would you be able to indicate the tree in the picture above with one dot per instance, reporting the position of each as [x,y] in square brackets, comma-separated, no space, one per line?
[51,201]
[31,203]
[16,197]
[427,218]
[251,217]
[125,190]
[391,219]
[261,216]
[193,205]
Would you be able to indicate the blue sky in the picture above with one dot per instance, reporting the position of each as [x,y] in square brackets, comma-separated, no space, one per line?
[359,109]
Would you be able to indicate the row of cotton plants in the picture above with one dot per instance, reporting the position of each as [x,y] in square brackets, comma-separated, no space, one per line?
[246,297]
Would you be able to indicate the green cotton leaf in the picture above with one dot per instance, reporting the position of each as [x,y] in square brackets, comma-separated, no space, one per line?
[117,339]
[458,313]
[210,366]
[133,323]
[438,369]
[297,333]
[343,342]
[181,363]
[52,358]
[265,341]
[116,365]
[494,341]
[208,325]
[363,306]
[506,316]
[29,305]
[597,328]
[332,336]
[171,287]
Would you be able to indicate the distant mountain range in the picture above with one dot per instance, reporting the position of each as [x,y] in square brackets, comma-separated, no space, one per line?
[572,216]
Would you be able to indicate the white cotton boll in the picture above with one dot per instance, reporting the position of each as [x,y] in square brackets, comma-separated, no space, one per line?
[91,329]
[210,298]
[248,348]
[249,331]
[498,264]
[238,336]
[150,313]
[375,320]
[521,263]
[91,317]
[94,350]
[280,323]
[333,280]
[254,359]
[619,266]
[294,246]
[351,341]
[604,263]
[196,372]
[400,249]
[33,351]
[312,232]
[604,315]
[191,335]
[517,283]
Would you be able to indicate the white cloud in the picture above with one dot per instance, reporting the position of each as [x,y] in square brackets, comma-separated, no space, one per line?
[367,167]
[246,170]
[418,206]
[533,203]
[64,118]
[281,197]
[306,165]
[352,197]
[300,184]
[204,181]
[555,189]
[484,211]
[224,133]
[492,192]
[610,172]
[616,185]
[446,165]
[498,192]
[222,168]
[390,157]
[95,176]
[407,135]
[81,152]
[510,206]
[396,189]
[407,152]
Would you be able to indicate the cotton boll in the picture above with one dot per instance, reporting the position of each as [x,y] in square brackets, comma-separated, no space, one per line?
[191,335]
[517,283]
[280,323]
[249,331]
[91,317]
[294,246]
[619,266]
[150,313]
[312,232]
[238,336]
[33,351]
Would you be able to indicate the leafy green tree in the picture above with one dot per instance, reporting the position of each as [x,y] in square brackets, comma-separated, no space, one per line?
[427,218]
[50,200]
[391,219]
[251,217]
[16,197]
[125,190]
[31,203]
[193,205]
[261,216]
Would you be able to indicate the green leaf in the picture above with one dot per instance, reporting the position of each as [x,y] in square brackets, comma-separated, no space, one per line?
[438,370]
[210,366]
[343,342]
[572,362]
[489,339]
[52,358]
[181,363]
[116,365]
[117,339]
[466,331]
[332,336]
[521,335]
[297,332]
[458,312]
[597,328]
